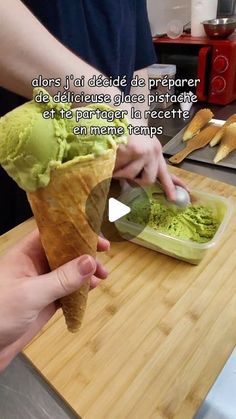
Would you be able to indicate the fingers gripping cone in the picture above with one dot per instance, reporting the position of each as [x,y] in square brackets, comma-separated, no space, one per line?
[228,143]
[59,210]
[199,121]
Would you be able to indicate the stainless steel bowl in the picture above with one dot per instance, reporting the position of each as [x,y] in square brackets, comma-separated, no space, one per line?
[219,28]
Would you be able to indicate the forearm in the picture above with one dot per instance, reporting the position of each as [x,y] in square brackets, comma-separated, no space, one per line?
[142,74]
[27,49]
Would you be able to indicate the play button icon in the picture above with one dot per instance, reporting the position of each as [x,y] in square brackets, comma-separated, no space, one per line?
[116,210]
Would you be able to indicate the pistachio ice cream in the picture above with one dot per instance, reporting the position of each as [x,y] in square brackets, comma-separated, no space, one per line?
[182,233]
[195,222]
[31,146]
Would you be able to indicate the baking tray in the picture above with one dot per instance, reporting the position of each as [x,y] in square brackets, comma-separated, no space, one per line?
[204,155]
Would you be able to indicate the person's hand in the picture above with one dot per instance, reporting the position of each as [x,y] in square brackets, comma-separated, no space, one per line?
[142,160]
[28,290]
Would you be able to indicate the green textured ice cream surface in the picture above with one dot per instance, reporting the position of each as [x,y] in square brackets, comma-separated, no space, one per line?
[31,146]
[196,222]
[94,144]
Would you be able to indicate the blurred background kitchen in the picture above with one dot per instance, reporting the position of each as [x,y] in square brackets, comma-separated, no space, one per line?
[169,10]
[196,40]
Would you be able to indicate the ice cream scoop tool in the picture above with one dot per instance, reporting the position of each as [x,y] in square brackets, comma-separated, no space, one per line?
[182,196]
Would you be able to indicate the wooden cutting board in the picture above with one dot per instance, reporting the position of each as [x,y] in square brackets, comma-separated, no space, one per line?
[155,336]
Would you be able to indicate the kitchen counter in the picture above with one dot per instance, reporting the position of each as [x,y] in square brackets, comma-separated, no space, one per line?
[171,351]
[24,394]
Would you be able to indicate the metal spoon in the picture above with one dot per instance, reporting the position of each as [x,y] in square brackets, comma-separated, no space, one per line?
[182,197]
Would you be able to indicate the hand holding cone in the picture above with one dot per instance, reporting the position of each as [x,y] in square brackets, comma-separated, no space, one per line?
[58,169]
[65,230]
[228,143]
[198,122]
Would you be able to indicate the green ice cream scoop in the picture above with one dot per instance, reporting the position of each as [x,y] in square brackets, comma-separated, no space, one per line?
[32,145]
[92,142]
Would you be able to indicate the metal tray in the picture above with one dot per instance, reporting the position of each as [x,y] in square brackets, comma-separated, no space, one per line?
[204,155]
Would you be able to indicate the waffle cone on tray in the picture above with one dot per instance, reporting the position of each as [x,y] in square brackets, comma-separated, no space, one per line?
[228,143]
[219,135]
[198,122]
[60,213]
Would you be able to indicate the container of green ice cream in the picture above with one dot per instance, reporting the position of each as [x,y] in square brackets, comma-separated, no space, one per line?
[185,234]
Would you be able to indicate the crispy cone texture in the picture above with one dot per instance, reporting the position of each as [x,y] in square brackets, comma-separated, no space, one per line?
[59,210]
[219,135]
[198,141]
[228,143]
[199,121]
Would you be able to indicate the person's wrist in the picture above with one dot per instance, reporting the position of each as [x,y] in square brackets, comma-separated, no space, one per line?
[3,360]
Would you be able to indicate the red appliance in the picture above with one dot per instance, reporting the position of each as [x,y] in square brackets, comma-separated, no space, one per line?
[213,61]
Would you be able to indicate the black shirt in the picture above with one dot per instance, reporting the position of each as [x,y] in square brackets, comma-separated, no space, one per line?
[111,35]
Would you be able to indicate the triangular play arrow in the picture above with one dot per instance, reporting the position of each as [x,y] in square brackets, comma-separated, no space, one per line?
[117,210]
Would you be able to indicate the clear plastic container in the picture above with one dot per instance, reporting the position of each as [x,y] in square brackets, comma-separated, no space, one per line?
[186,250]
[174,29]
[160,71]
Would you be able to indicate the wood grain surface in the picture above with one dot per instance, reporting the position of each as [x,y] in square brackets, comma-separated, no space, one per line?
[155,335]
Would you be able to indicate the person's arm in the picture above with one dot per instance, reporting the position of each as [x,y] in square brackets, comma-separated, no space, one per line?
[27,50]
[154,165]
[141,74]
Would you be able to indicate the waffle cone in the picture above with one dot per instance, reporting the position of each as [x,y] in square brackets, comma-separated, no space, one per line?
[199,121]
[228,143]
[219,135]
[65,229]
